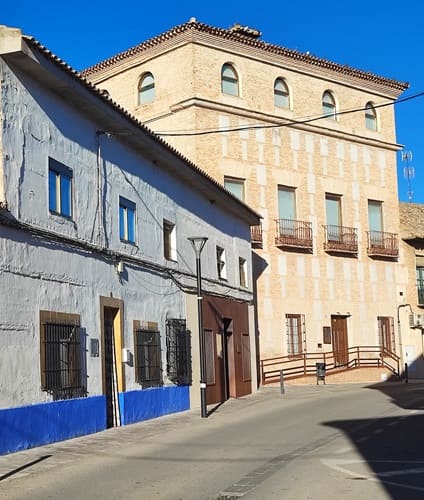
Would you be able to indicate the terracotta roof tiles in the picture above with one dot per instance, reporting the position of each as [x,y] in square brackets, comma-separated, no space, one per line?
[250,41]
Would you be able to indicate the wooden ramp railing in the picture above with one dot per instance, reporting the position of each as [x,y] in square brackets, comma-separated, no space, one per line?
[300,365]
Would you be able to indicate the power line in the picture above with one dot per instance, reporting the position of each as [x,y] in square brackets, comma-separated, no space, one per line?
[285,124]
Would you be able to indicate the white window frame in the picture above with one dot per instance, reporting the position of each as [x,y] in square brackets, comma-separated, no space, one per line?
[221,263]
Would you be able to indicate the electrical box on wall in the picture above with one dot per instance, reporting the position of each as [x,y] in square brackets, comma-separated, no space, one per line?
[126,355]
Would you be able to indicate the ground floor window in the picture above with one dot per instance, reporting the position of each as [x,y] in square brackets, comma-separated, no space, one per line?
[147,359]
[61,355]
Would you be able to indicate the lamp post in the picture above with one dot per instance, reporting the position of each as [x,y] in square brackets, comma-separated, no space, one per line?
[198,243]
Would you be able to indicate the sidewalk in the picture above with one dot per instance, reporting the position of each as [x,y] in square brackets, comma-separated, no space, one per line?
[59,454]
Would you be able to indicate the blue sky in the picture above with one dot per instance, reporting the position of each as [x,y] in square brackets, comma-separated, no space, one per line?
[381,36]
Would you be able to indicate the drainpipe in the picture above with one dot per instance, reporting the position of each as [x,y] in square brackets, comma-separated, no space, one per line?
[402,367]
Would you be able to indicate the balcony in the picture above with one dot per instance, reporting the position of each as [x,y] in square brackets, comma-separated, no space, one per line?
[294,234]
[256,236]
[382,244]
[340,239]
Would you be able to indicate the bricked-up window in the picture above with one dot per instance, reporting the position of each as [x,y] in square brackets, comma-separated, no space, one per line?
[148,367]
[146,89]
[229,80]
[61,355]
[328,105]
[295,333]
[178,352]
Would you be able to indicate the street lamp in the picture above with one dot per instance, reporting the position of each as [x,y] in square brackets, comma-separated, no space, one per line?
[198,243]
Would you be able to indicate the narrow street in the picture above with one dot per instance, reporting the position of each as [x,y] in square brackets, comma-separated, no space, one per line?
[316,442]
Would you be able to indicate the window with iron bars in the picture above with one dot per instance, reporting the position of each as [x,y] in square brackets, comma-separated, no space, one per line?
[61,354]
[178,352]
[148,366]
[296,335]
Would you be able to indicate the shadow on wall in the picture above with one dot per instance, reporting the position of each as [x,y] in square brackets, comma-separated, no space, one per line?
[391,447]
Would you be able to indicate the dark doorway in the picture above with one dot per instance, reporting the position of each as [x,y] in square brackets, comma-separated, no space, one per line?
[110,371]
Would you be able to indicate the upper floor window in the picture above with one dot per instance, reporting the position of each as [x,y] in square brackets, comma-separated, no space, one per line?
[243,272]
[420,280]
[146,89]
[126,220]
[328,105]
[221,263]
[370,117]
[229,80]
[60,188]
[281,94]
[235,186]
[333,209]
[169,241]
[375,215]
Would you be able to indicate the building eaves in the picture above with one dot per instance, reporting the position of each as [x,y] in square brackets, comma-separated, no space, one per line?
[201,178]
[253,42]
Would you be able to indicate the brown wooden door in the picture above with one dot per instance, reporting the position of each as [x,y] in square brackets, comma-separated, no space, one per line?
[339,340]
[385,331]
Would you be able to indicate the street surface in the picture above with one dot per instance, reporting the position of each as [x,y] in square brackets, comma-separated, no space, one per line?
[323,442]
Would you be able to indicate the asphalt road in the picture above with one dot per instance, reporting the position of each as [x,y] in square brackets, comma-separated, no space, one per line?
[317,442]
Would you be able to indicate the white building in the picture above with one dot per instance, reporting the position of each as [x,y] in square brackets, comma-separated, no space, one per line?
[97,277]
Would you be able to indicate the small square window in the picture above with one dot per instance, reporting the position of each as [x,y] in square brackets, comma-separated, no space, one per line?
[169,241]
[243,272]
[221,263]
[60,189]
[126,220]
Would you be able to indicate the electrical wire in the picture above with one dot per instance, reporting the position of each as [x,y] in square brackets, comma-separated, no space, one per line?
[289,121]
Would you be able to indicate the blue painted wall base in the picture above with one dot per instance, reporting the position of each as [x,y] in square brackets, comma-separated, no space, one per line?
[154,402]
[34,425]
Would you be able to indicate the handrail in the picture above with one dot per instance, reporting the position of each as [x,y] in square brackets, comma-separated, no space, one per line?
[304,363]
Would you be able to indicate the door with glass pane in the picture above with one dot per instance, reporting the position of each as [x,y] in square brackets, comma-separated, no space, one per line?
[334,217]
[286,211]
[375,223]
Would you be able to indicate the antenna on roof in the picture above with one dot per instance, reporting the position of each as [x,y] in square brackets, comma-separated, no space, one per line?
[408,172]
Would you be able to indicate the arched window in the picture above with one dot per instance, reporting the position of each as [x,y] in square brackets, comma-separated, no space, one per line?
[146,89]
[229,80]
[281,94]
[328,105]
[370,117]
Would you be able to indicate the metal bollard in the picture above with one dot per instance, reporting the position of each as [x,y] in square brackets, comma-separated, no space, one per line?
[406,373]
[283,391]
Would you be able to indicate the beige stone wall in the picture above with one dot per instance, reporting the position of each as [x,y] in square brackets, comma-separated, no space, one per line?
[340,157]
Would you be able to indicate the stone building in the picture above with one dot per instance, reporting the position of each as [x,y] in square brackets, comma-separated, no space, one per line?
[98,309]
[411,309]
[308,143]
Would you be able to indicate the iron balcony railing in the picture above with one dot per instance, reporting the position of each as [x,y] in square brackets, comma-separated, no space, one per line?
[293,234]
[382,244]
[340,239]
[256,236]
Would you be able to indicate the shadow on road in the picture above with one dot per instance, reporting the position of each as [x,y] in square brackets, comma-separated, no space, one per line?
[392,447]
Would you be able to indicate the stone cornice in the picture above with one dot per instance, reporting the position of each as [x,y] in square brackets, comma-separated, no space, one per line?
[274,120]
